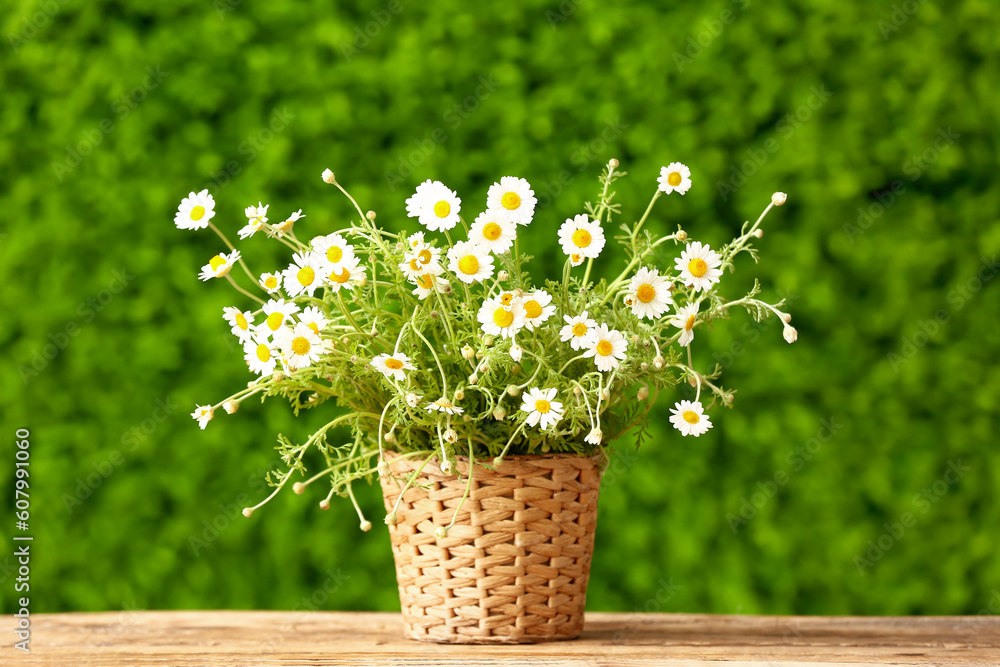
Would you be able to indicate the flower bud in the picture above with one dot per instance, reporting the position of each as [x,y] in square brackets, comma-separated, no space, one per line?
[467,418]
[450,435]
[459,394]
[370,215]
[329,177]
[786,317]
[474,378]
[345,340]
[790,333]
[435,315]
[545,448]
[468,352]
[389,437]
[497,461]
[643,366]
[412,399]
[513,390]
[324,504]
[576,390]
[445,465]
[643,393]
[231,406]
[778,198]
[759,233]
[613,163]
[247,511]
[658,362]
[383,468]
[366,525]
[682,235]
[515,352]
[483,367]
[390,519]
[298,488]
[441,533]
[503,275]
[499,413]
[488,341]
[446,288]
[605,395]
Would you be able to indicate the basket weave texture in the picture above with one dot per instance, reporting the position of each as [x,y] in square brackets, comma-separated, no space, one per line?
[514,567]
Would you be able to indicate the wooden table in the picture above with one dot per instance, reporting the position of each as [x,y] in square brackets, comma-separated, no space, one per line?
[182,638]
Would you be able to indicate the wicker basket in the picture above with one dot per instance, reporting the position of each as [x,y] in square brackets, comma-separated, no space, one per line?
[514,567]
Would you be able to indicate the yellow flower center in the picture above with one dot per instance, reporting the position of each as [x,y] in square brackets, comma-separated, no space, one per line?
[697,267]
[604,348]
[510,201]
[334,254]
[691,417]
[301,345]
[645,293]
[216,262]
[576,258]
[579,329]
[341,277]
[426,281]
[415,264]
[542,406]
[442,209]
[197,213]
[532,309]
[690,324]
[393,364]
[306,276]
[241,321]
[503,318]
[581,238]
[506,298]
[271,282]
[424,256]
[468,265]
[492,231]
[263,353]
[275,320]
[314,327]
[674,178]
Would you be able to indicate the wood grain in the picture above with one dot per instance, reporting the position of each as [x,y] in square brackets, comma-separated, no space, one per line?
[183,639]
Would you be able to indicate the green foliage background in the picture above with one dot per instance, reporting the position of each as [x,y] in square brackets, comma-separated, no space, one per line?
[829,101]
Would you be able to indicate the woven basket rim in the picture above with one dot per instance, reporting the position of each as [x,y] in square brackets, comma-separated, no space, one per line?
[392,454]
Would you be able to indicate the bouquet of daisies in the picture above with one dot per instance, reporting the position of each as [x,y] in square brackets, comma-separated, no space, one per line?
[438,347]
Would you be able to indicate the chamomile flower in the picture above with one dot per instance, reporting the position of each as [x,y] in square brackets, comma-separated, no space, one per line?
[219,265]
[537,308]
[470,262]
[685,320]
[516,352]
[276,313]
[261,355]
[689,418]
[594,437]
[422,260]
[314,318]
[576,259]
[344,277]
[203,414]
[581,236]
[445,406]
[413,400]
[333,248]
[675,177]
[287,224]
[577,330]
[699,266]
[426,283]
[256,217]
[606,346]
[434,206]
[240,321]
[513,199]
[415,241]
[499,319]
[304,274]
[393,366]
[650,292]
[300,346]
[494,232]
[271,282]
[542,408]
[195,211]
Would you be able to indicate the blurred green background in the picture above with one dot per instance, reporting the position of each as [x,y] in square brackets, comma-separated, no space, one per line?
[825,491]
